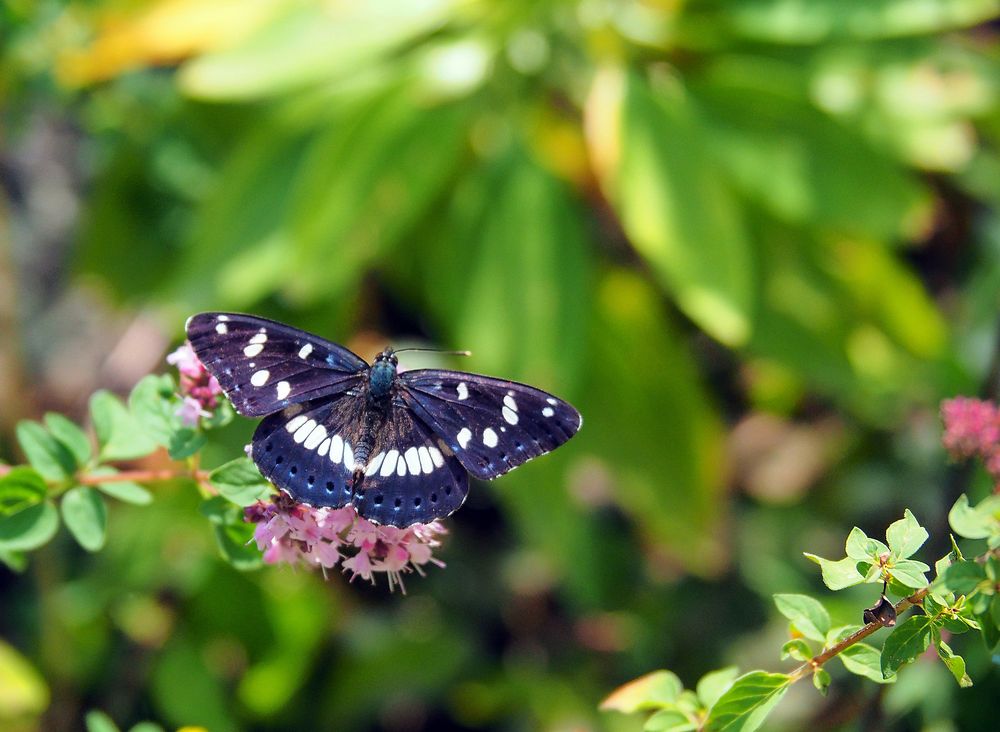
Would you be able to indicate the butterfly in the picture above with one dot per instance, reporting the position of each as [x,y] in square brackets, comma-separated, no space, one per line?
[398,447]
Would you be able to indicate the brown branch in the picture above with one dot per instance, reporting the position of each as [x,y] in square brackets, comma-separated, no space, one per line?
[816,661]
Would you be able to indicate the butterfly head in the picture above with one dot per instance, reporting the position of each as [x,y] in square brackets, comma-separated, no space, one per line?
[382,374]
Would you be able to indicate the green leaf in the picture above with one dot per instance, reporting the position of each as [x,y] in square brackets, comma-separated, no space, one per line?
[905,536]
[865,660]
[796,648]
[964,577]
[772,156]
[152,404]
[127,491]
[86,517]
[906,642]
[16,561]
[675,207]
[975,523]
[233,541]
[747,703]
[20,488]
[669,720]
[119,436]
[955,664]
[524,225]
[910,573]
[826,21]
[71,436]
[98,721]
[185,442]
[240,482]
[840,574]
[23,690]
[807,615]
[29,528]
[714,684]
[821,680]
[861,548]
[47,455]
[310,44]
[652,691]
[221,511]
[145,727]
[989,623]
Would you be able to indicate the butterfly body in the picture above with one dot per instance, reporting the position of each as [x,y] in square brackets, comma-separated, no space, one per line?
[399,447]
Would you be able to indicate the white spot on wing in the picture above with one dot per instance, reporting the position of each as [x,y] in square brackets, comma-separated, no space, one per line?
[374,464]
[223,318]
[509,415]
[551,401]
[425,460]
[463,437]
[283,388]
[436,456]
[252,350]
[490,438]
[509,402]
[221,328]
[259,338]
[303,432]
[336,449]
[389,464]
[305,350]
[323,447]
[463,391]
[260,378]
[412,461]
[295,422]
[315,437]
[548,411]
[348,457]
[401,466]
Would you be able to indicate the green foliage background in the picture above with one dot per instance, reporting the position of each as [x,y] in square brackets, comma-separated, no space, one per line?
[754,242]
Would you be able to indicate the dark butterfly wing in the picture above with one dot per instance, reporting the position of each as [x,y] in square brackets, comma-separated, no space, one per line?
[308,449]
[411,475]
[490,424]
[264,366]
[311,452]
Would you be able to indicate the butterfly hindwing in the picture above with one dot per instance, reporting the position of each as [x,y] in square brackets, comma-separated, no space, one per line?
[307,450]
[264,366]
[311,451]
[410,475]
[491,425]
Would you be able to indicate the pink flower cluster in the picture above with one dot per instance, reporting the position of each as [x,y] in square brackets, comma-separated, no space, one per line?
[295,533]
[972,429]
[199,389]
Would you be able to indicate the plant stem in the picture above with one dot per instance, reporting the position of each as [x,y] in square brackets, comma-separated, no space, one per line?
[816,661]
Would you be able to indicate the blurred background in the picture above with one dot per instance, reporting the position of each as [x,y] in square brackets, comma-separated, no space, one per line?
[754,241]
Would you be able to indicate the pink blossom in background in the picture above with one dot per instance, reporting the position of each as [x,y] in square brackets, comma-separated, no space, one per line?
[972,429]
[293,533]
[199,388]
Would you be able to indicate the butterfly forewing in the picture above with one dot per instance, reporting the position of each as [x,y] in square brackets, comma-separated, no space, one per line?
[492,425]
[410,475]
[264,366]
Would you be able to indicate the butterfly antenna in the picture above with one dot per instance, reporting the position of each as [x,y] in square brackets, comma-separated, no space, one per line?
[435,350]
